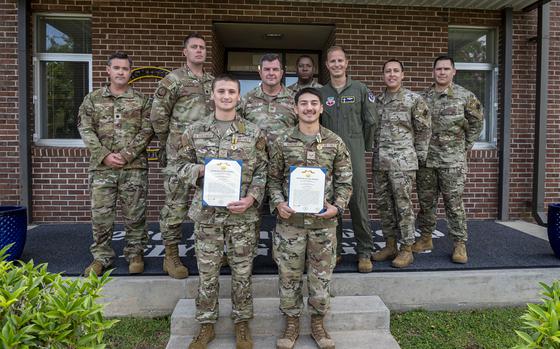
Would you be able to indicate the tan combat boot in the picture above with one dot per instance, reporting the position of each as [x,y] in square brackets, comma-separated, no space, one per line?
[290,335]
[364,265]
[389,252]
[319,333]
[205,335]
[96,267]
[243,339]
[338,260]
[136,265]
[423,244]
[172,263]
[459,252]
[404,258]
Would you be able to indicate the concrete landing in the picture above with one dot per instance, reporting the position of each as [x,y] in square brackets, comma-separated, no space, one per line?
[400,291]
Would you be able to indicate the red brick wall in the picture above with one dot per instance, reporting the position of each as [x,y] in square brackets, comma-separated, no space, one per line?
[9,129]
[152,32]
[522,114]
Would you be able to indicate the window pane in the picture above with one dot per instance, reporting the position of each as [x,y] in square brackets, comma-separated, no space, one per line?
[480,83]
[472,45]
[290,80]
[63,86]
[244,61]
[63,35]
[248,84]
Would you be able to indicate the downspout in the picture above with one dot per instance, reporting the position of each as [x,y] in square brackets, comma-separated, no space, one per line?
[541,108]
[505,129]
[24,148]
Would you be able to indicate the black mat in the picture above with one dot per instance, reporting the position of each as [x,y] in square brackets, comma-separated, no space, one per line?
[65,247]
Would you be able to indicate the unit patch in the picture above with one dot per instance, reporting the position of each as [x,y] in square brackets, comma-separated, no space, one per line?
[161,92]
[330,101]
[347,99]
[371,97]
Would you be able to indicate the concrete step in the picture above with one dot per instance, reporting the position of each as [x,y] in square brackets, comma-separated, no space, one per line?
[379,339]
[350,313]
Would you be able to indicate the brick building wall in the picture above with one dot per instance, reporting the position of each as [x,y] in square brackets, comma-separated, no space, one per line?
[152,33]
[9,128]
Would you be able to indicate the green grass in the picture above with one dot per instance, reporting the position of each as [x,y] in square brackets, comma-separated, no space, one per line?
[476,329]
[139,333]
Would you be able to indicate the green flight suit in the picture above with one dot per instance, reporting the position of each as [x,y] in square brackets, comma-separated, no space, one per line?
[350,113]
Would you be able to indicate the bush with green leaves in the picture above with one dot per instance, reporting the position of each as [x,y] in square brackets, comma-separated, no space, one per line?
[39,309]
[540,321]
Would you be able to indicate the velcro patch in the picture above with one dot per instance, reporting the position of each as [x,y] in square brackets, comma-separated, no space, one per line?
[203,135]
[347,99]
[161,92]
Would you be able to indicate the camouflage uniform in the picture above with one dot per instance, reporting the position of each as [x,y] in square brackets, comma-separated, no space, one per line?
[180,99]
[295,87]
[457,119]
[304,234]
[273,115]
[350,114]
[117,124]
[401,138]
[216,225]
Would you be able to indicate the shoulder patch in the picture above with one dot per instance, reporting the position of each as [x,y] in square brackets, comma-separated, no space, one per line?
[161,92]
[371,97]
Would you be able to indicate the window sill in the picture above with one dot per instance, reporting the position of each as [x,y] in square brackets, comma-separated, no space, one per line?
[484,146]
[72,143]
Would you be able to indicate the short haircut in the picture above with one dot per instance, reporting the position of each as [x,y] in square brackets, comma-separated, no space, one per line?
[393,60]
[310,90]
[270,57]
[444,58]
[119,55]
[194,35]
[336,48]
[226,77]
[305,56]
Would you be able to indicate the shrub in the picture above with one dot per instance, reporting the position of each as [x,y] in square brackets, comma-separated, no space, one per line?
[39,309]
[541,321]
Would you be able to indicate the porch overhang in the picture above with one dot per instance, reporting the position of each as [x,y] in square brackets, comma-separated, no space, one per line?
[492,5]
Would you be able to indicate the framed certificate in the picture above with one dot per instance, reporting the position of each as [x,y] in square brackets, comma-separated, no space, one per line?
[307,189]
[222,181]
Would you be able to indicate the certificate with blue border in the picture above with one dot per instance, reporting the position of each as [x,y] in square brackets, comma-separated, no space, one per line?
[222,181]
[306,192]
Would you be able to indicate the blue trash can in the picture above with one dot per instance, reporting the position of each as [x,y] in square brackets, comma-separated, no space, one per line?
[553,228]
[13,229]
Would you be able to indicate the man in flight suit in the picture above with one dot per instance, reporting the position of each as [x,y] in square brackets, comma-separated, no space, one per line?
[349,111]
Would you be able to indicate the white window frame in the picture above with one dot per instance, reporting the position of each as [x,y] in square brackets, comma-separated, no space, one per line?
[38,58]
[493,107]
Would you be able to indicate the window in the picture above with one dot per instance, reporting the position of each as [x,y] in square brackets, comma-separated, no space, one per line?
[62,76]
[474,52]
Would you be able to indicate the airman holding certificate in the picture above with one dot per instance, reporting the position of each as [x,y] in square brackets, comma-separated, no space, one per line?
[307,157]
[224,142]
